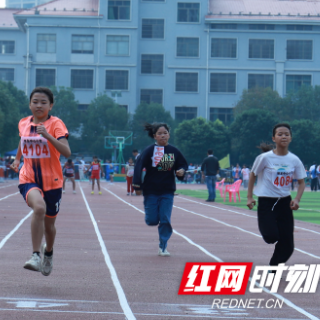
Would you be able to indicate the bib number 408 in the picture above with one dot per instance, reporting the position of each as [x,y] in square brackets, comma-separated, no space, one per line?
[282,181]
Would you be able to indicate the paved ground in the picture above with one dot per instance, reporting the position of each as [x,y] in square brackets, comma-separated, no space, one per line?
[106,264]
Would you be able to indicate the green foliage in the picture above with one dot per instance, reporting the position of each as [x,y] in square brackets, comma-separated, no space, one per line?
[103,114]
[150,113]
[305,140]
[248,130]
[194,137]
[13,107]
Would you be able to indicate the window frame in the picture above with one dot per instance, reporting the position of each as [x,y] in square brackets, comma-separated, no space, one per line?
[186,22]
[224,58]
[50,34]
[118,35]
[312,51]
[224,72]
[162,96]
[130,12]
[231,113]
[186,92]
[117,69]
[44,68]
[175,118]
[259,73]
[81,35]
[297,74]
[187,57]
[274,49]
[154,39]
[153,74]
[93,79]
[14,48]
[14,74]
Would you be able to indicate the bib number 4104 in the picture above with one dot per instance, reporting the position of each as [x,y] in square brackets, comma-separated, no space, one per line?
[35,147]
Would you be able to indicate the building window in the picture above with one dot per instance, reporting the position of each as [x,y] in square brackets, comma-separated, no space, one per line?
[223,26]
[223,48]
[124,106]
[151,96]
[46,43]
[82,79]
[83,107]
[299,27]
[299,49]
[118,45]
[261,26]
[188,12]
[185,113]
[6,47]
[222,82]
[261,49]
[117,80]
[82,44]
[45,77]
[7,74]
[223,114]
[152,28]
[295,82]
[186,82]
[152,63]
[260,80]
[119,10]
[187,47]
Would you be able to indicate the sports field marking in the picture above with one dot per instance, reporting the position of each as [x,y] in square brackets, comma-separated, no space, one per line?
[7,186]
[286,301]
[121,295]
[241,213]
[7,237]
[10,195]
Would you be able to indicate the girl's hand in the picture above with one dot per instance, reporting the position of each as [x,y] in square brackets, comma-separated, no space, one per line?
[41,129]
[251,203]
[138,192]
[15,165]
[294,204]
[180,172]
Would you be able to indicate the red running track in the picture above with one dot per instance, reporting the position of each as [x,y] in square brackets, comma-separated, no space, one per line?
[106,264]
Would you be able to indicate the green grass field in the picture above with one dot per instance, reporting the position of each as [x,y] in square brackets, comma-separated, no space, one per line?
[309,205]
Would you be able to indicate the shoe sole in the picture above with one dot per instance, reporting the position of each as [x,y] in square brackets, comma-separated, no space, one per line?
[31,268]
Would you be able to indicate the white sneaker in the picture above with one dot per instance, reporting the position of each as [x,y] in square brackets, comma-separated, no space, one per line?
[128,194]
[164,253]
[34,263]
[74,191]
[46,262]
[63,191]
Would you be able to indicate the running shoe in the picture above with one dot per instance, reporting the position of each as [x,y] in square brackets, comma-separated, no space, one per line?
[128,194]
[34,263]
[74,191]
[92,192]
[46,262]
[63,191]
[164,253]
[100,192]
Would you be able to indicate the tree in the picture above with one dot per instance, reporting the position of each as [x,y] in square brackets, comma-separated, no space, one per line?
[194,138]
[248,130]
[150,113]
[13,107]
[305,140]
[103,115]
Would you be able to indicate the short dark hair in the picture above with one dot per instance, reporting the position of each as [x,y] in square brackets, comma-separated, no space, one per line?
[69,160]
[134,150]
[281,125]
[152,128]
[210,151]
[95,157]
[44,90]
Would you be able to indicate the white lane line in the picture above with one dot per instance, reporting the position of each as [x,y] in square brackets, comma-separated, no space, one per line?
[9,185]
[121,295]
[10,195]
[286,301]
[51,300]
[243,230]
[241,213]
[7,237]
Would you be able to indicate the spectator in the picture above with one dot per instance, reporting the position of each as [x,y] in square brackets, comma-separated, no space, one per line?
[313,177]
[129,177]
[136,155]
[236,172]
[210,167]
[245,174]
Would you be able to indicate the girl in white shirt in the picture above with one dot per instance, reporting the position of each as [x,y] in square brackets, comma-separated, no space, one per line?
[275,170]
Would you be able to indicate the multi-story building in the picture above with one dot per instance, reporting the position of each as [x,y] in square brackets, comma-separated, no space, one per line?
[24,3]
[193,56]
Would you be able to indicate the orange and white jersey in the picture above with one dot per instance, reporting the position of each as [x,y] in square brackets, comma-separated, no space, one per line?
[41,158]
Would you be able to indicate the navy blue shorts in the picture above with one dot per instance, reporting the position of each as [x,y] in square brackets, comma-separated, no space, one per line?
[52,198]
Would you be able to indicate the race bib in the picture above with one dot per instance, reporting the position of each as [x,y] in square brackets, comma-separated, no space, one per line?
[69,171]
[282,176]
[130,172]
[35,147]
[158,153]
[95,167]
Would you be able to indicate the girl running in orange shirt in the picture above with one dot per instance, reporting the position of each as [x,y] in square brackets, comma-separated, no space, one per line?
[43,139]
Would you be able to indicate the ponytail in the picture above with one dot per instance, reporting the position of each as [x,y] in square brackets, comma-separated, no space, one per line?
[265,147]
[153,128]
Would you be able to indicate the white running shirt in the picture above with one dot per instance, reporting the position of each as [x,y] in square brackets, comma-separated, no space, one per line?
[275,174]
